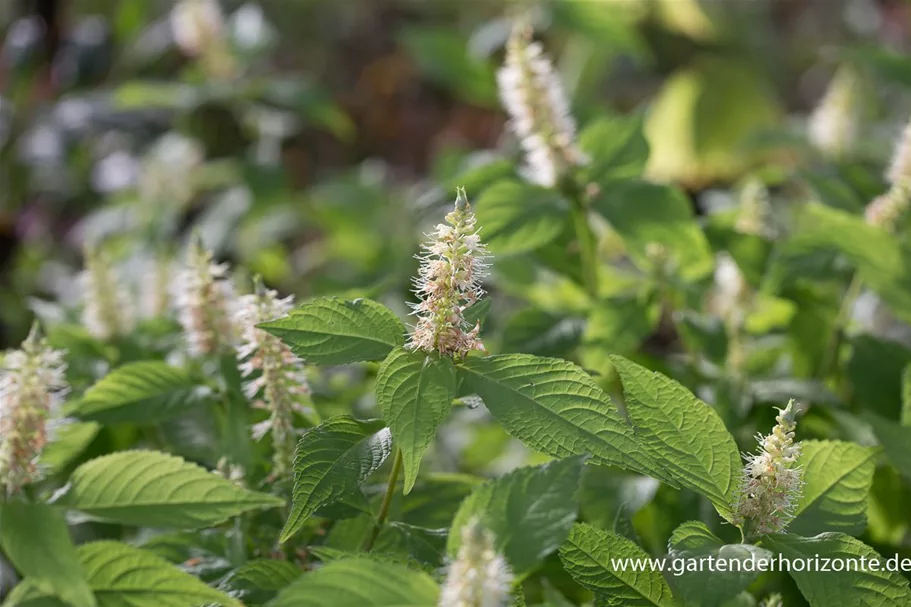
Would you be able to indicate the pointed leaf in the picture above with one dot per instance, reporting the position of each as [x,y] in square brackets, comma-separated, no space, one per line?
[414,391]
[518,217]
[837,479]
[258,581]
[865,586]
[122,575]
[616,146]
[555,407]
[591,556]
[140,393]
[332,461]
[693,541]
[360,582]
[35,538]
[67,443]
[529,511]
[895,440]
[152,489]
[682,433]
[332,331]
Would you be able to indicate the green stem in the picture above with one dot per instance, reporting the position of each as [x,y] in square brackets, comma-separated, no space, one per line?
[830,355]
[587,251]
[387,501]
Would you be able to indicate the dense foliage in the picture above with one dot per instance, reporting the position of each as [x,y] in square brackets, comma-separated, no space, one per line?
[677,331]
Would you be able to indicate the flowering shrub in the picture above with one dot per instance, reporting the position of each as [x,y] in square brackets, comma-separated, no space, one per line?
[249,396]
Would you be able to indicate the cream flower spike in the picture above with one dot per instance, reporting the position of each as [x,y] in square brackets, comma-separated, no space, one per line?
[533,96]
[108,306]
[282,381]
[772,483]
[899,173]
[32,387]
[479,577]
[834,125]
[204,298]
[453,265]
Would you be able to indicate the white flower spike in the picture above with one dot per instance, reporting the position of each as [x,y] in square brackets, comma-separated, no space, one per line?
[834,125]
[479,577]
[533,96]
[453,265]
[204,296]
[32,387]
[282,381]
[772,480]
[108,307]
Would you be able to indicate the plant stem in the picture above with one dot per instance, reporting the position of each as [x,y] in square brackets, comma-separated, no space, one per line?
[587,253]
[387,501]
[830,355]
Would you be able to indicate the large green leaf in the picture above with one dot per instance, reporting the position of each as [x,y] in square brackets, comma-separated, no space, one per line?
[711,585]
[333,331]
[683,434]
[555,407]
[139,392]
[426,546]
[34,537]
[616,147]
[257,581]
[332,461]
[862,586]
[645,214]
[414,390]
[529,511]
[518,217]
[895,440]
[68,441]
[360,582]
[122,575]
[152,489]
[593,558]
[837,479]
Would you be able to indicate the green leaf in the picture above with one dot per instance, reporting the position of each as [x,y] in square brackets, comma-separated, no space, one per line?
[360,582]
[837,479]
[616,326]
[35,538]
[616,147]
[645,214]
[683,434]
[555,407]
[535,331]
[906,396]
[68,442]
[141,393]
[332,461]
[123,575]
[414,391]
[258,581]
[864,586]
[427,546]
[895,440]
[152,489]
[692,543]
[529,511]
[589,554]
[517,217]
[332,331]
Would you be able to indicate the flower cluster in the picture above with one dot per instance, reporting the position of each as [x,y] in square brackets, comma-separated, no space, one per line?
[834,124]
[32,385]
[533,96]
[479,577]
[773,600]
[771,480]
[108,309]
[198,28]
[755,213]
[887,210]
[166,177]
[282,381]
[203,296]
[449,281]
